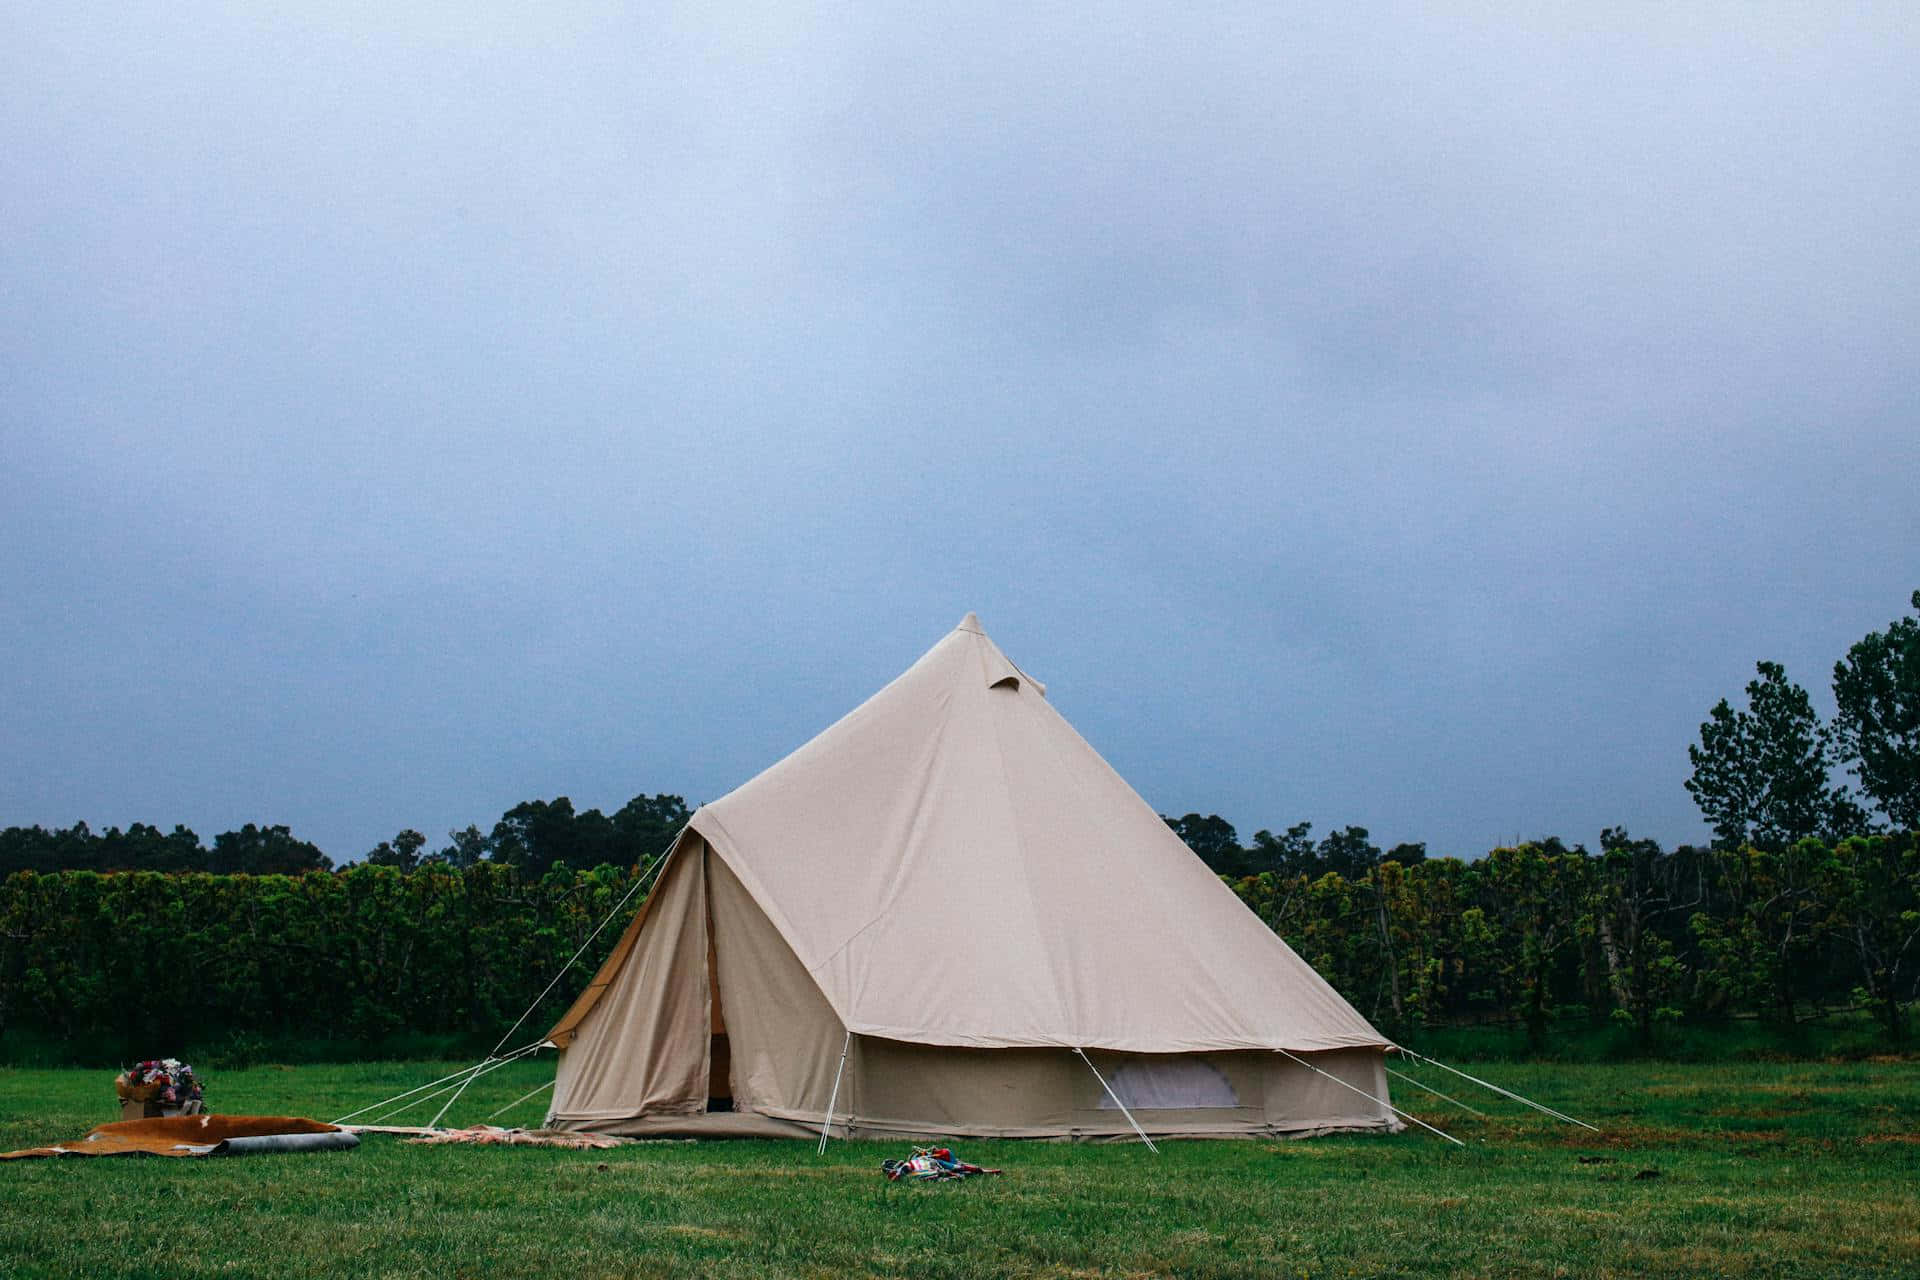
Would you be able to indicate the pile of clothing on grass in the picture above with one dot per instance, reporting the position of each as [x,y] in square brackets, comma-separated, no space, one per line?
[164,1082]
[930,1164]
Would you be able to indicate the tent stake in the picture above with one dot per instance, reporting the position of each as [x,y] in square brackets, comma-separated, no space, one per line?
[1116,1100]
[1401,1075]
[1363,1093]
[1505,1093]
[834,1097]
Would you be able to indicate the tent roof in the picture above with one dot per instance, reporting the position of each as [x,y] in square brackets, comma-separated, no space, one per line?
[954,865]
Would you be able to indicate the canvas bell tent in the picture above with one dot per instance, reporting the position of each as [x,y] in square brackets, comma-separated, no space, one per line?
[948,916]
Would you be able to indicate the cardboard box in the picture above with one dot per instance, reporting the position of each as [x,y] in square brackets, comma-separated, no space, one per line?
[131,1110]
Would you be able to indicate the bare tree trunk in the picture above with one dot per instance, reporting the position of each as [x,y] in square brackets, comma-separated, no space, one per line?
[1386,950]
[1616,977]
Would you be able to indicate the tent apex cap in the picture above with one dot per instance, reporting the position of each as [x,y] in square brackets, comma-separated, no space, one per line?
[971,623]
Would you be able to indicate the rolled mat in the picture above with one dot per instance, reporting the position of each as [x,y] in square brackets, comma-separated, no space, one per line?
[199,1136]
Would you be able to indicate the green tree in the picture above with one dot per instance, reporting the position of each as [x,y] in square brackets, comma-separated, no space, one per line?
[1287,854]
[464,848]
[1877,687]
[401,852]
[1876,899]
[1761,945]
[536,834]
[1761,776]
[1214,839]
[645,825]
[1348,852]
[1533,890]
[1634,890]
[264,851]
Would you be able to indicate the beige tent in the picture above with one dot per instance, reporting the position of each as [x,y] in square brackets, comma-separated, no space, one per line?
[948,916]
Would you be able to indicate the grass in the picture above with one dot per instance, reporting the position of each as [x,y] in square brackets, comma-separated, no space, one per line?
[1801,1169]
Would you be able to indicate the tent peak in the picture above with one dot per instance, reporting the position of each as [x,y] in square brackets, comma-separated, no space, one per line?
[971,623]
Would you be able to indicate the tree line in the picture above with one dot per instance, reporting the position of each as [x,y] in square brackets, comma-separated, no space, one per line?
[1808,899]
[535,833]
[134,963]
[1634,934]
[1535,936]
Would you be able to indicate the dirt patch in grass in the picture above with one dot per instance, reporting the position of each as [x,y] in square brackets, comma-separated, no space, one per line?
[1628,1136]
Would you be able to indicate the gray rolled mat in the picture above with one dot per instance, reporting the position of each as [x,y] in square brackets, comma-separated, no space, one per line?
[340,1141]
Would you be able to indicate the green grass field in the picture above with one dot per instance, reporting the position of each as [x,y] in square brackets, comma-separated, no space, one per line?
[1762,1170]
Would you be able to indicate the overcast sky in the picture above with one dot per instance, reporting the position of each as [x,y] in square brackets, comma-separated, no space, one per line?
[1412,419]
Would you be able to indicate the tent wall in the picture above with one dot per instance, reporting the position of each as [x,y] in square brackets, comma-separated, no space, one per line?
[642,1047]
[640,1060]
[928,1090]
[785,1039]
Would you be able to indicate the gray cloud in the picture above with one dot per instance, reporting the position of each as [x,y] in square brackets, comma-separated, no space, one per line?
[1415,419]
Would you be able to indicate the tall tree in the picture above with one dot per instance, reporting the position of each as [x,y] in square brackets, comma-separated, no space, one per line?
[1876,897]
[536,834]
[1214,839]
[1877,687]
[1350,852]
[645,825]
[1533,891]
[402,852]
[265,851]
[1762,775]
[464,848]
[1406,854]
[1760,947]
[1635,890]
[1287,854]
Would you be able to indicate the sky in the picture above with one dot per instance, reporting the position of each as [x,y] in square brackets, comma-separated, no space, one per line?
[1415,417]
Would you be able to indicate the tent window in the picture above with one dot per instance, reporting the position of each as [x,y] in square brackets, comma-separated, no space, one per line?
[1006,682]
[1174,1084]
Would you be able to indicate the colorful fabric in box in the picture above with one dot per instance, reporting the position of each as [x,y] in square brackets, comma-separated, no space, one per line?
[166,1081]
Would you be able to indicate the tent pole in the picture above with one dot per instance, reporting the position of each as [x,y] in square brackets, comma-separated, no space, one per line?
[1363,1093]
[1401,1075]
[1116,1100]
[1505,1093]
[834,1097]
